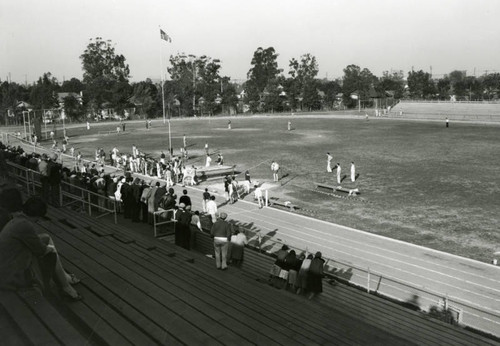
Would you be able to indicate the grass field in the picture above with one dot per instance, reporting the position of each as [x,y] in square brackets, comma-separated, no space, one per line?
[420,182]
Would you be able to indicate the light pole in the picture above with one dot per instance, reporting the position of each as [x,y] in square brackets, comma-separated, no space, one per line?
[193,71]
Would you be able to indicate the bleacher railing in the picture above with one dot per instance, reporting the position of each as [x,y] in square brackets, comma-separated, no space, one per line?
[458,311]
[31,182]
[163,217]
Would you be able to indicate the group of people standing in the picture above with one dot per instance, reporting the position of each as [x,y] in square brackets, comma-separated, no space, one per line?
[329,169]
[303,274]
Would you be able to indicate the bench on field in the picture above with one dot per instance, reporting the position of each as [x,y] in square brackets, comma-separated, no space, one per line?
[351,192]
[286,204]
[213,172]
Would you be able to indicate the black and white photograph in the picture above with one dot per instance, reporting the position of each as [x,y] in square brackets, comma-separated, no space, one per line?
[228,172]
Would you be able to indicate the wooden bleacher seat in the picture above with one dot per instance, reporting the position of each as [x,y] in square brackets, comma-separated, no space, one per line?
[142,291]
[37,320]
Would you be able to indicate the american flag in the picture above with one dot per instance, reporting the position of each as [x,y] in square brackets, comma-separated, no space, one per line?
[164,36]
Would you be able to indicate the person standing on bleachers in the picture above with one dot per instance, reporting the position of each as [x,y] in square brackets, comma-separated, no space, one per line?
[301,282]
[146,188]
[237,248]
[186,200]
[54,174]
[182,227]
[221,233]
[206,198]
[212,209]
[150,198]
[315,275]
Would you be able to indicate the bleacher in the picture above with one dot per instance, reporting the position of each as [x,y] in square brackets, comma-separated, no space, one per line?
[139,290]
[453,110]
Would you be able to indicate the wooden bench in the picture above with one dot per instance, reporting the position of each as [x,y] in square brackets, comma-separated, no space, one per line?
[159,287]
[276,202]
[140,288]
[351,192]
[141,277]
[213,172]
[37,320]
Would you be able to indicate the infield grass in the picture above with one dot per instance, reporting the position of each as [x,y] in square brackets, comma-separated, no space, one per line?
[420,181]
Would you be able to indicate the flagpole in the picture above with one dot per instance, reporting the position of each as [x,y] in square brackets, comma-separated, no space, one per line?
[163,100]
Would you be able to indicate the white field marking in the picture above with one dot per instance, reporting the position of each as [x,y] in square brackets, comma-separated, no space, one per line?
[412,275]
[391,259]
[447,268]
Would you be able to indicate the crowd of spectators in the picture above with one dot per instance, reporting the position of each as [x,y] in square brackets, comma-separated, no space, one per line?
[139,201]
[303,274]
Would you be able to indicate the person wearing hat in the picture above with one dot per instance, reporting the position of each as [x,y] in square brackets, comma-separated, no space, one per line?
[221,233]
[44,176]
[54,177]
[182,227]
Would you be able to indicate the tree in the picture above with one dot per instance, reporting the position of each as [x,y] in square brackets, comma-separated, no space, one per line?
[420,85]
[144,98]
[264,69]
[357,82]
[303,74]
[274,97]
[457,81]
[443,88]
[74,85]
[10,95]
[196,84]
[491,85]
[229,95]
[105,73]
[331,89]
[393,81]
[44,93]
[73,108]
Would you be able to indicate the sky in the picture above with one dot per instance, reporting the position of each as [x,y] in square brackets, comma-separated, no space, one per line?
[38,36]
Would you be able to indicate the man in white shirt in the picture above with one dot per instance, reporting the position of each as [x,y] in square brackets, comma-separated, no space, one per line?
[329,159]
[339,172]
[275,168]
[212,208]
[258,196]
[353,172]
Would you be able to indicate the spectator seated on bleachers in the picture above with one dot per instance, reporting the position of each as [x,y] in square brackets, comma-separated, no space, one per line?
[28,259]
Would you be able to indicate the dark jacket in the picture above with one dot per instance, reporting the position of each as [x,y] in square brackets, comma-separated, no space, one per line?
[221,228]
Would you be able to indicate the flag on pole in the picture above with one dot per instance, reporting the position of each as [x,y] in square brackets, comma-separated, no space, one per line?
[164,36]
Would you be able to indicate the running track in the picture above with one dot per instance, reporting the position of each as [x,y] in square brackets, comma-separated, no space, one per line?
[471,286]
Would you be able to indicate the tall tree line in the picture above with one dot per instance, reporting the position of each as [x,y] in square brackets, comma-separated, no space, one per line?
[197,87]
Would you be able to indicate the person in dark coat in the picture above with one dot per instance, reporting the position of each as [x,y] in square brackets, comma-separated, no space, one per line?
[136,206]
[127,198]
[182,227]
[54,176]
[315,275]
[185,199]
